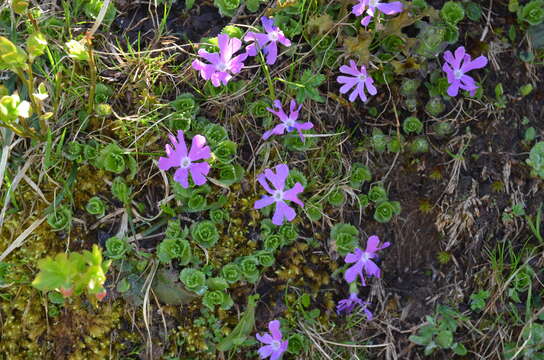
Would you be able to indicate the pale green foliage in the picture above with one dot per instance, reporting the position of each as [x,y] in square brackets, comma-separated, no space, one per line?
[76,272]
[244,327]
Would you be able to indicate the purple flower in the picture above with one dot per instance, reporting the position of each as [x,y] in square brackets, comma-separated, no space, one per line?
[186,164]
[283,211]
[362,260]
[273,344]
[386,8]
[267,42]
[457,66]
[288,123]
[222,64]
[348,304]
[359,78]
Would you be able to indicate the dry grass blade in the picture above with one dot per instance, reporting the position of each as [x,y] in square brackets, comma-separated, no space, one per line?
[20,175]
[21,238]
[8,138]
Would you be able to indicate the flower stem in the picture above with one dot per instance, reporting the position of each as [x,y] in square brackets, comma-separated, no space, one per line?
[28,81]
[92,66]
[268,78]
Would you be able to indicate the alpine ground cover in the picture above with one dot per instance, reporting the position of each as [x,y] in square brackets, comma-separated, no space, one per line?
[298,179]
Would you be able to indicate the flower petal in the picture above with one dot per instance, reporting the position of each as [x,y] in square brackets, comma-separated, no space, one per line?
[268,24]
[180,145]
[478,63]
[279,112]
[283,211]
[354,256]
[348,82]
[372,269]
[277,130]
[265,339]
[459,55]
[448,70]
[182,177]
[271,51]
[199,150]
[453,89]
[225,47]
[356,270]
[368,314]
[251,49]
[353,96]
[448,56]
[351,69]
[278,178]
[263,202]
[199,172]
[276,355]
[265,351]
[358,9]
[372,244]
[366,20]
[284,40]
[262,180]
[390,8]
[166,163]
[369,82]
[291,194]
[284,345]
[274,327]
[213,58]
[304,126]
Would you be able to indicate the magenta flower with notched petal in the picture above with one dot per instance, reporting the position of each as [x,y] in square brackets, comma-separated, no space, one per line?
[456,68]
[274,346]
[267,42]
[370,6]
[222,65]
[347,305]
[185,162]
[363,261]
[280,195]
[288,122]
[358,79]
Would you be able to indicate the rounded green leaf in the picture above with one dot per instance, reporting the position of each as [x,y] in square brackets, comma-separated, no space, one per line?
[258,109]
[265,258]
[225,151]
[337,197]
[289,233]
[295,176]
[174,248]
[231,273]
[194,280]
[412,125]
[116,248]
[452,12]
[205,233]
[273,242]
[249,268]
[359,175]
[215,134]
[532,12]
[419,145]
[185,103]
[95,206]
[444,339]
[384,211]
[377,193]
[60,218]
